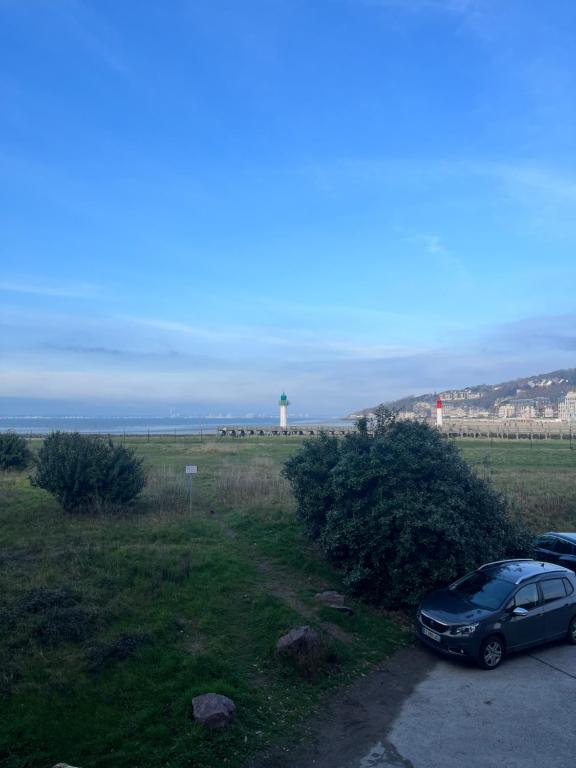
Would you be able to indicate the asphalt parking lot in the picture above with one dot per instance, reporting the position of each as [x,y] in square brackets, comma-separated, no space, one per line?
[419,710]
[521,714]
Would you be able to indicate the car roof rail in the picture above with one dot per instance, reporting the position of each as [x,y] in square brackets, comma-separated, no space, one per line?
[512,560]
[552,569]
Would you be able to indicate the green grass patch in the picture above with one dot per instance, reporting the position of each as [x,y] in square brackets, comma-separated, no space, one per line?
[109,625]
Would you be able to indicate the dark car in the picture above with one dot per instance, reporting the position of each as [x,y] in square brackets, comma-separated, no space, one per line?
[556,548]
[502,607]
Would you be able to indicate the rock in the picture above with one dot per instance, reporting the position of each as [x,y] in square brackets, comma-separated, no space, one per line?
[213,710]
[343,609]
[329,597]
[304,648]
[62,765]
[298,640]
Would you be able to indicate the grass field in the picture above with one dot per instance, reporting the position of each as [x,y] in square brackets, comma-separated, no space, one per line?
[109,625]
[539,478]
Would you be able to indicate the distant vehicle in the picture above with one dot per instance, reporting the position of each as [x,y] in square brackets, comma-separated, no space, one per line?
[556,548]
[502,607]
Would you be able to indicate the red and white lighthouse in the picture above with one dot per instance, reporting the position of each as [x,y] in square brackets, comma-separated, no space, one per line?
[439,412]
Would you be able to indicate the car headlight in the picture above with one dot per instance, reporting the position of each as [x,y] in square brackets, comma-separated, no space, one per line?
[464,630]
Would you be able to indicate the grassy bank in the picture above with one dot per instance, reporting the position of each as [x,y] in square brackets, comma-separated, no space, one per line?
[109,625]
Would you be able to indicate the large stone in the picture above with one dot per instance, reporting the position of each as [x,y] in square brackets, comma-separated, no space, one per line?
[213,710]
[304,648]
[330,597]
[62,765]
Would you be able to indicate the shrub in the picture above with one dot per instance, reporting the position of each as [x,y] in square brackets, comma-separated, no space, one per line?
[14,452]
[86,473]
[310,474]
[400,512]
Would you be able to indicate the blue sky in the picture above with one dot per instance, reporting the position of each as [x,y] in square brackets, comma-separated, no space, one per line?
[203,202]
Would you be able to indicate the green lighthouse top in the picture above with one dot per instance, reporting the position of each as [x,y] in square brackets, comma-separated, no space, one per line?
[283,399]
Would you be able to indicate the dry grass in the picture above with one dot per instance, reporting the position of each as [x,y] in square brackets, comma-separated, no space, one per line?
[168,492]
[545,502]
[219,448]
[257,484]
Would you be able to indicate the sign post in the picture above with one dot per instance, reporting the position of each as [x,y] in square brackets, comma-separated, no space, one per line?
[191,469]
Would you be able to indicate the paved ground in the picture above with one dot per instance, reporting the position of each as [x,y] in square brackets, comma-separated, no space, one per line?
[522,714]
[419,711]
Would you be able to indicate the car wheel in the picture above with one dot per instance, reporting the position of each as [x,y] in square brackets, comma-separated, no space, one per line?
[491,652]
[572,631]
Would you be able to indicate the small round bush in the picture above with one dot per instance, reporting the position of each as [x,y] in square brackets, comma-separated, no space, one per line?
[88,473]
[14,451]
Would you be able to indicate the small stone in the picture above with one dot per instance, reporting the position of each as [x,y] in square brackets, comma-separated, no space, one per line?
[298,640]
[213,710]
[329,597]
[343,609]
[304,648]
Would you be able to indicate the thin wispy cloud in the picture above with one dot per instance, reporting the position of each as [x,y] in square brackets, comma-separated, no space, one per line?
[547,183]
[50,288]
[441,256]
[459,7]
[91,32]
[258,338]
[98,351]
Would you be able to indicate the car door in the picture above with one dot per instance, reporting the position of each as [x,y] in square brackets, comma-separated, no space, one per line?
[545,549]
[527,629]
[557,605]
[565,553]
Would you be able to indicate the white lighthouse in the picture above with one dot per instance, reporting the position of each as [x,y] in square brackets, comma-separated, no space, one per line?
[283,410]
[439,413]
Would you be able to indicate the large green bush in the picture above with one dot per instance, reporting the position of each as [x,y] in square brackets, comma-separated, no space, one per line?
[14,452]
[87,473]
[399,511]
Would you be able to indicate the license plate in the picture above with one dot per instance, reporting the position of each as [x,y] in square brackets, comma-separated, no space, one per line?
[430,634]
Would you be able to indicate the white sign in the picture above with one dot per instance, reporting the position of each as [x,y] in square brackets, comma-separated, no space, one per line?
[191,469]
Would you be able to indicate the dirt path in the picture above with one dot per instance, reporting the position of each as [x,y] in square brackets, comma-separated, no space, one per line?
[280,584]
[351,731]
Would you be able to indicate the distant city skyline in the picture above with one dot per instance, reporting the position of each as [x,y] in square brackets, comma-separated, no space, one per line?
[353,201]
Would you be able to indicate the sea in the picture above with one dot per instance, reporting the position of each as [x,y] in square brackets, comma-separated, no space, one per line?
[145,425]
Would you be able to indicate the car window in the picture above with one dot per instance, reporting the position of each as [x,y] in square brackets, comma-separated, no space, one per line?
[546,542]
[482,590]
[568,586]
[527,597]
[552,589]
[564,547]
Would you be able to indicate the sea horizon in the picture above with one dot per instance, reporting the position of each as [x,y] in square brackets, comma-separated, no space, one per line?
[143,425]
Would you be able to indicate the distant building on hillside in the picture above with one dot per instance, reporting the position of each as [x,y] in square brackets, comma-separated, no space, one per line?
[526,408]
[567,407]
[460,394]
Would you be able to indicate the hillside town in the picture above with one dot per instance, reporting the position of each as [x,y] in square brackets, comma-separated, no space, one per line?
[551,397]
[456,405]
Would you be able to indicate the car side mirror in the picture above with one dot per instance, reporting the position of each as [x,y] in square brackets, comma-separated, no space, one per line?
[519,612]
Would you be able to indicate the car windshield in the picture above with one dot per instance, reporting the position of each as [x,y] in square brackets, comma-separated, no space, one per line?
[482,590]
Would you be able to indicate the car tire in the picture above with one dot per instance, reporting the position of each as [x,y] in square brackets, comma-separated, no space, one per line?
[572,631]
[491,653]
